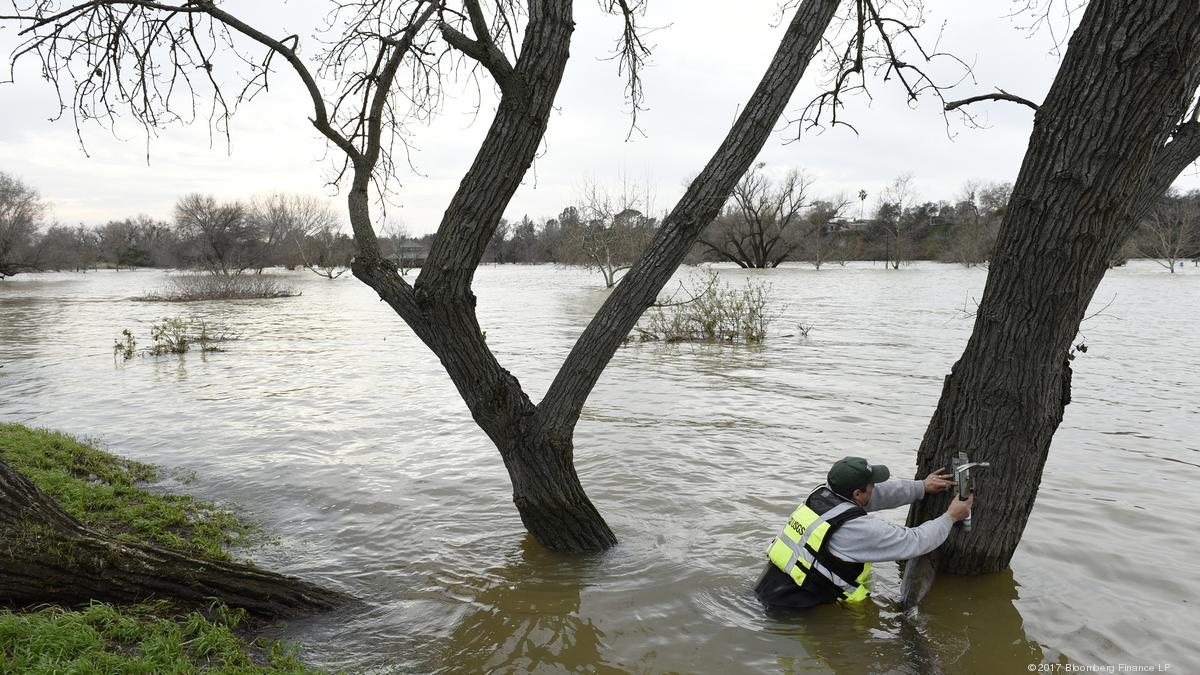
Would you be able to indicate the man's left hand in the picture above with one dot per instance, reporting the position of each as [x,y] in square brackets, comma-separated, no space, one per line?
[938,481]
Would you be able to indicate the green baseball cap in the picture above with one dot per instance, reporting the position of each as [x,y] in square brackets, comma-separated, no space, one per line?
[854,473]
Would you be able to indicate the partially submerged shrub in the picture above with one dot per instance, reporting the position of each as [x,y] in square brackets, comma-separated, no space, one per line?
[719,313]
[174,335]
[196,287]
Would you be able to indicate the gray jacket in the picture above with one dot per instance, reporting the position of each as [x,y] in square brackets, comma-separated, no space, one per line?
[871,539]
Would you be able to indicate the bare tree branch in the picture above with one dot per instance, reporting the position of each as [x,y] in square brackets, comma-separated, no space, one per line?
[631,53]
[483,48]
[1001,95]
[876,43]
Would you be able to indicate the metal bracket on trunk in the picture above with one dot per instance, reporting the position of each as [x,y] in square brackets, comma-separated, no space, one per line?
[962,466]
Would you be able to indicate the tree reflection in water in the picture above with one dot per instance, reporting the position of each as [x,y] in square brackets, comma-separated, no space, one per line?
[527,619]
[978,629]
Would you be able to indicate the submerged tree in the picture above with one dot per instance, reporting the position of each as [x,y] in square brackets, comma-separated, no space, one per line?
[276,221]
[293,229]
[977,217]
[21,211]
[607,231]
[1171,232]
[895,202]
[762,226]
[326,251]
[819,241]
[140,241]
[1119,124]
[219,237]
[69,248]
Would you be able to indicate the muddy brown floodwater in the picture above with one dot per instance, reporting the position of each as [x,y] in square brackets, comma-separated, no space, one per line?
[333,427]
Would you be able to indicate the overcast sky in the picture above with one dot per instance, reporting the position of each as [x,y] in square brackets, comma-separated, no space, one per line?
[707,59]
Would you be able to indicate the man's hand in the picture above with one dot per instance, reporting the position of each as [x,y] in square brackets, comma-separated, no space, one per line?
[937,481]
[960,509]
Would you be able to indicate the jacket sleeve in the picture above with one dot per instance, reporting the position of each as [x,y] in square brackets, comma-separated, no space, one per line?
[871,539]
[897,492]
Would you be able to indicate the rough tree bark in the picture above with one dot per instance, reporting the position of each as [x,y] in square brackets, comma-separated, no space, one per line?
[1105,145]
[46,555]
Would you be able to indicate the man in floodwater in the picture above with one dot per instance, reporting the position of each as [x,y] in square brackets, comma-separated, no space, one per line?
[825,551]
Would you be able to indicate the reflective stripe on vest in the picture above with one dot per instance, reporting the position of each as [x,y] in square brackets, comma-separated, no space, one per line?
[793,550]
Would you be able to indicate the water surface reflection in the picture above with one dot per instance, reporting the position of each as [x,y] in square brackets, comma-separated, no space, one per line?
[525,617]
[333,427]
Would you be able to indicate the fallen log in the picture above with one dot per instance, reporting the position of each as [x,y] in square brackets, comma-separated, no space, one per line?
[48,556]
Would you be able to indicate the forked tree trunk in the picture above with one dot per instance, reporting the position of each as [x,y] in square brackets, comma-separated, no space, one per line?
[536,441]
[48,556]
[1105,146]
[550,499]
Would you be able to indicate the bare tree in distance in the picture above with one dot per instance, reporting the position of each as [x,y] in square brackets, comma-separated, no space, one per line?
[396,244]
[978,214]
[524,52]
[140,241]
[69,248]
[760,228]
[221,237]
[326,251]
[819,242]
[114,241]
[304,226]
[21,213]
[1171,231]
[609,229]
[280,219]
[497,246]
[895,200]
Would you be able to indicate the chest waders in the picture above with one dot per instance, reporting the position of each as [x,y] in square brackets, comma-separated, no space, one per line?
[802,550]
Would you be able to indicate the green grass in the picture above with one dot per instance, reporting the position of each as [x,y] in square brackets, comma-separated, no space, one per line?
[145,638]
[101,490]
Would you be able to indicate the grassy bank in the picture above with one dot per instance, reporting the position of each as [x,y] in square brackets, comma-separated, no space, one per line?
[101,490]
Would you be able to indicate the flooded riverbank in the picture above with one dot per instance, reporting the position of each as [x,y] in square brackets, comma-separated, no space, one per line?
[334,427]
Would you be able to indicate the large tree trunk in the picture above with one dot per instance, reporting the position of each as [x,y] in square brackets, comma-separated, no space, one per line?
[48,556]
[1105,145]
[549,497]
[536,441]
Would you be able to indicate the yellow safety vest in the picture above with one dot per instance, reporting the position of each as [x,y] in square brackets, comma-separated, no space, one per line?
[800,550]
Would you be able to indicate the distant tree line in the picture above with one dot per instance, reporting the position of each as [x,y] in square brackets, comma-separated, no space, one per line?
[767,221]
[222,238]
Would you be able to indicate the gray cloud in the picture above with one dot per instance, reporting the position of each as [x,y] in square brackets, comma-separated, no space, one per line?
[706,62]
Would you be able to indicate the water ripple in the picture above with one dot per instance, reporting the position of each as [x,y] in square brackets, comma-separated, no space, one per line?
[335,428]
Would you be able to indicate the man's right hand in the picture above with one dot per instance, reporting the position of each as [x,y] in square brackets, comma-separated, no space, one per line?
[960,509]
